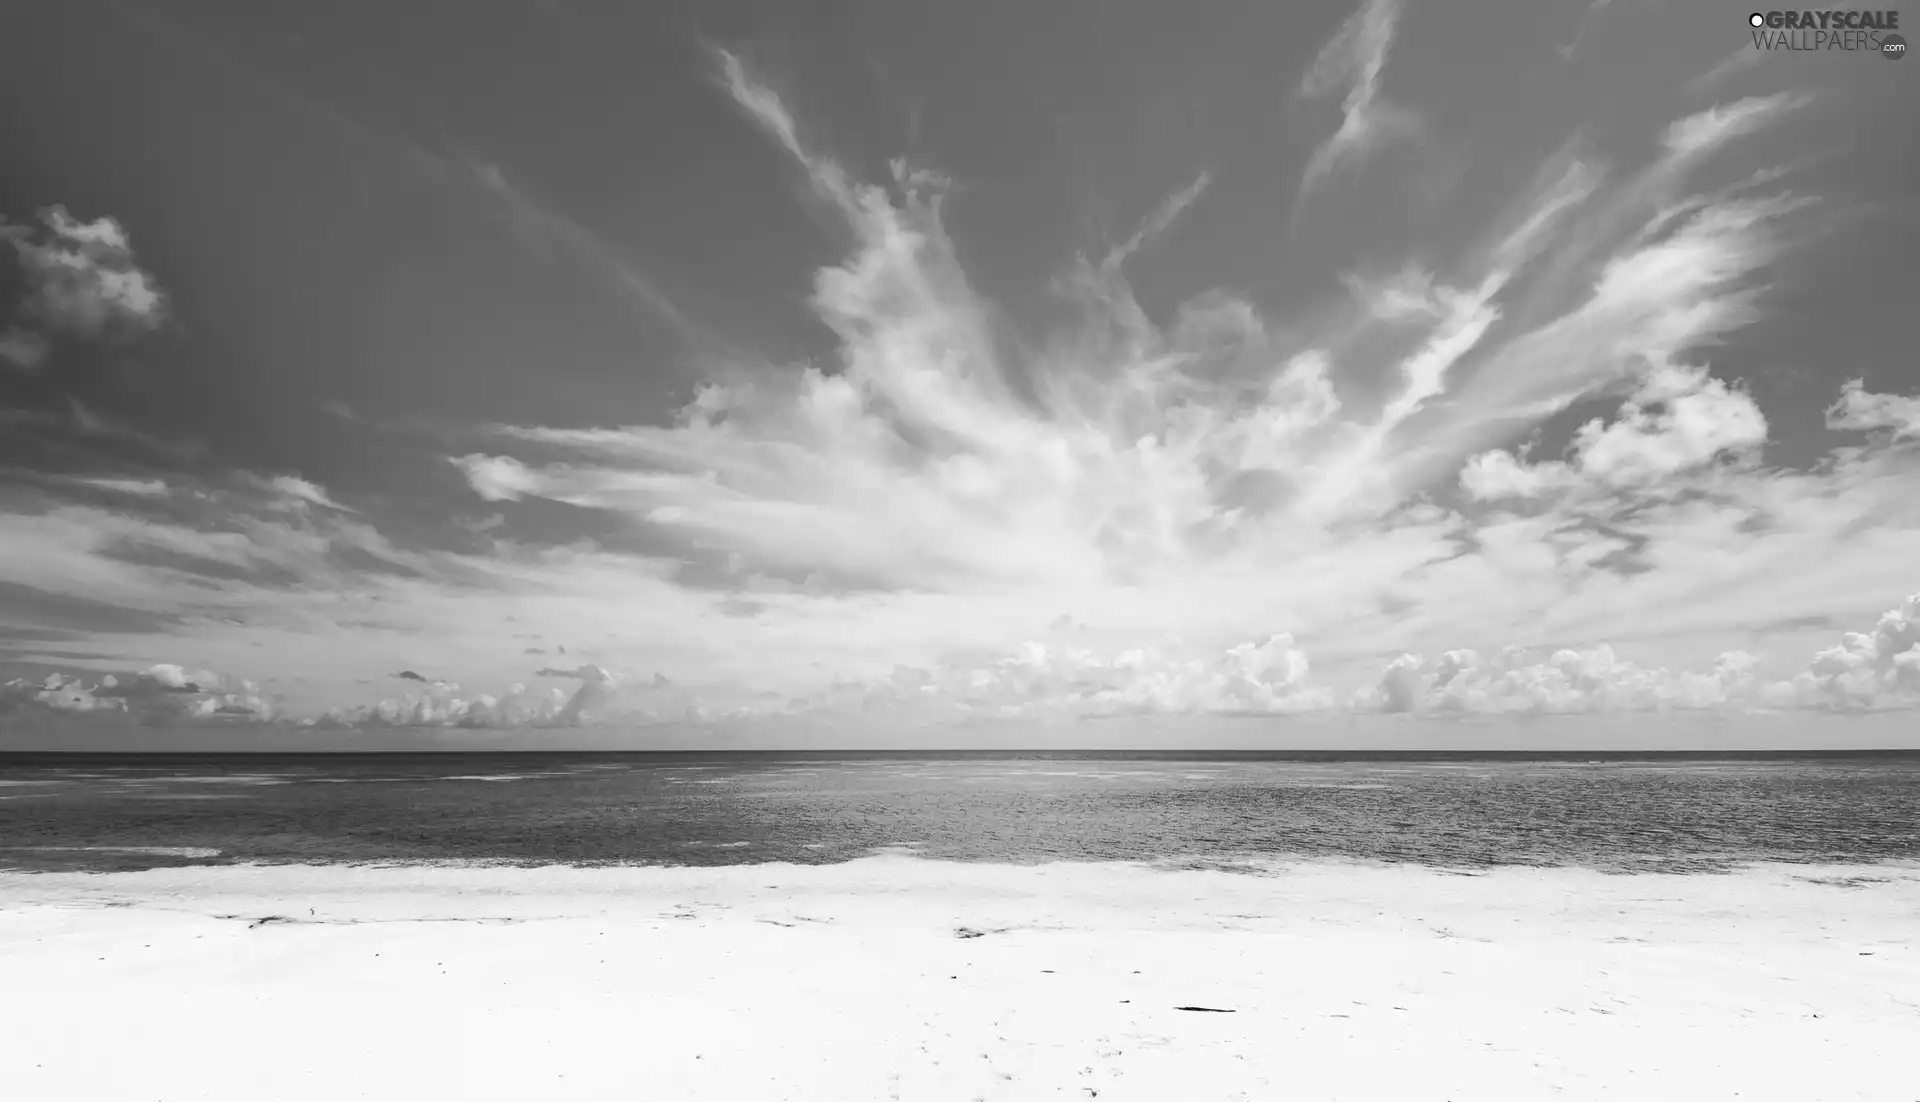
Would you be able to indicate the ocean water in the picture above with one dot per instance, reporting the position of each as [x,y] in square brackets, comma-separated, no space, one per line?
[1190,810]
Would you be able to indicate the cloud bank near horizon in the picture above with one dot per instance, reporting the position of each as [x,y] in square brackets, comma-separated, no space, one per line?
[1865,672]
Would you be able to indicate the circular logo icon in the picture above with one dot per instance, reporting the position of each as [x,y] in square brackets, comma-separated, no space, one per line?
[1757,20]
[1893,46]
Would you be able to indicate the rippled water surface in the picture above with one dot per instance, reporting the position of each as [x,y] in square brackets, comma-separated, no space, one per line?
[719,809]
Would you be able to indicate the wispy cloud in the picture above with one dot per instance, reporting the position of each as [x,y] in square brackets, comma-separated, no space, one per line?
[1860,409]
[1161,219]
[464,175]
[1705,131]
[1588,19]
[297,491]
[1351,63]
[139,487]
[545,229]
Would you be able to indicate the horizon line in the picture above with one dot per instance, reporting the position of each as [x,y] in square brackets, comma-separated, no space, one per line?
[11,757]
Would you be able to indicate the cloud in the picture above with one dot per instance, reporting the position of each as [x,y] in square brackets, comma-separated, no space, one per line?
[1677,419]
[1407,294]
[587,673]
[434,683]
[541,227]
[442,705]
[1859,409]
[1877,671]
[497,478]
[24,349]
[1200,494]
[1570,681]
[593,698]
[463,174]
[443,708]
[164,695]
[138,487]
[1221,469]
[1352,63]
[1682,281]
[1161,219]
[1707,130]
[1265,677]
[1588,18]
[299,490]
[82,277]
[173,678]
[1864,672]
[764,107]
[1730,64]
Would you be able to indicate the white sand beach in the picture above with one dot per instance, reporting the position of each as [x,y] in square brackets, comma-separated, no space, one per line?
[897,978]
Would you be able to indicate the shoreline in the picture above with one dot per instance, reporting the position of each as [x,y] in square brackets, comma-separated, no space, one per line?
[900,977]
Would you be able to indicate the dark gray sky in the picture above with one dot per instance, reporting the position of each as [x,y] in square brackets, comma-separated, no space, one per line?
[910,334]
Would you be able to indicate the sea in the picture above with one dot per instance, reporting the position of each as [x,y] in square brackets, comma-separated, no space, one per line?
[1240,810]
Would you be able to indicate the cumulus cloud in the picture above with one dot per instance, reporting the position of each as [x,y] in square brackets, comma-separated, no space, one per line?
[1677,419]
[497,478]
[164,695]
[1265,677]
[1863,672]
[1570,681]
[82,277]
[1866,671]
[591,700]
[442,704]
[444,708]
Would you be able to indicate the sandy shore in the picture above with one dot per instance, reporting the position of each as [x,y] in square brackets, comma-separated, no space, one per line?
[894,978]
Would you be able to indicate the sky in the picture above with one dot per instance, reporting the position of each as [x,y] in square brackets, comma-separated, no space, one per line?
[564,374]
